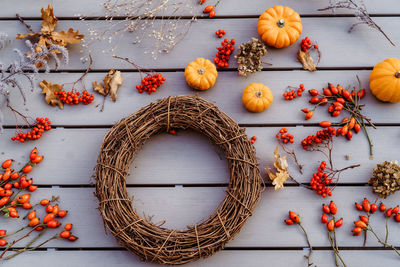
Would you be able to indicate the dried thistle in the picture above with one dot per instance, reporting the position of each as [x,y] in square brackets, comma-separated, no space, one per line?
[26,67]
[360,12]
[385,179]
[249,56]
[157,20]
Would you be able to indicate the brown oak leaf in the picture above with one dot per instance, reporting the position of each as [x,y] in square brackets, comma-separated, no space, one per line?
[307,61]
[48,89]
[48,35]
[111,82]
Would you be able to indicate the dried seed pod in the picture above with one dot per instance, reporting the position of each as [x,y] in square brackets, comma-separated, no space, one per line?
[249,56]
[385,179]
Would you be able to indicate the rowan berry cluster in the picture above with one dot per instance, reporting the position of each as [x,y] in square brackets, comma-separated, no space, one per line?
[290,92]
[306,44]
[224,52]
[220,33]
[13,201]
[321,181]
[150,83]
[42,125]
[321,136]
[74,98]
[284,136]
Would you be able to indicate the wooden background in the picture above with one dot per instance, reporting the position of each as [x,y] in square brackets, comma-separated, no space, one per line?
[182,178]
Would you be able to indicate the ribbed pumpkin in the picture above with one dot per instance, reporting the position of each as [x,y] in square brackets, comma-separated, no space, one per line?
[257,97]
[279,26]
[201,74]
[384,80]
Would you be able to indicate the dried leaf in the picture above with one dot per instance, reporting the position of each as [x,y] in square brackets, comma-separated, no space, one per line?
[99,88]
[47,34]
[48,89]
[49,20]
[282,174]
[70,37]
[307,61]
[115,82]
[111,81]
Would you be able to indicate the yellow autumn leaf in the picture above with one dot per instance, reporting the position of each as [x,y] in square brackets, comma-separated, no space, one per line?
[48,89]
[282,174]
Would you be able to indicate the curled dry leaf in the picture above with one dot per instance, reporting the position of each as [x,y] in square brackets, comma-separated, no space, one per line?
[307,61]
[48,89]
[112,81]
[282,174]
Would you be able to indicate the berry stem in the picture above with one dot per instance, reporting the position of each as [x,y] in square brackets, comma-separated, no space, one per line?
[333,248]
[17,240]
[381,242]
[16,232]
[387,230]
[309,245]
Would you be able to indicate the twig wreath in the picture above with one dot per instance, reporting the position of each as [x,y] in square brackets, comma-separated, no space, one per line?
[167,246]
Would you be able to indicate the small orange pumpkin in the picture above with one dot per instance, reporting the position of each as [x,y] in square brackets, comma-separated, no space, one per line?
[384,80]
[279,26]
[201,74]
[257,97]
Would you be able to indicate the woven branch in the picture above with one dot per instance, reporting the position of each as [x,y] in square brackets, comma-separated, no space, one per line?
[146,239]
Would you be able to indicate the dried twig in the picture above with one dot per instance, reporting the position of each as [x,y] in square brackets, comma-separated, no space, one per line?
[360,13]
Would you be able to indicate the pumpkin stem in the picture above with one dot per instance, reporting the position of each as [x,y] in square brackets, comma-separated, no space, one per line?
[201,71]
[397,74]
[280,23]
[258,94]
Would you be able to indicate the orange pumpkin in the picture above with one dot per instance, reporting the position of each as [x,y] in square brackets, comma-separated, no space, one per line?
[201,74]
[279,26]
[257,97]
[384,80]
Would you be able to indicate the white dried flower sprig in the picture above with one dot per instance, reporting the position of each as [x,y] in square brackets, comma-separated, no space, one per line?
[4,40]
[360,12]
[156,20]
[26,67]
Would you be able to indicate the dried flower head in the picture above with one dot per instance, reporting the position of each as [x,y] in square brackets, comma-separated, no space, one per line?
[249,56]
[385,179]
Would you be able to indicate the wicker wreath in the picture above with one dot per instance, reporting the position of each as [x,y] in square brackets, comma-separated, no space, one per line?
[167,246]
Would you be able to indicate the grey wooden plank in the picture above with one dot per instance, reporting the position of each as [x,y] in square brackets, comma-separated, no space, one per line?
[183,206]
[276,258]
[226,94]
[331,33]
[189,158]
[30,8]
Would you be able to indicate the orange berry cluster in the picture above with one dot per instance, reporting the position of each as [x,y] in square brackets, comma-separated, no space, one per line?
[347,126]
[330,210]
[42,125]
[294,218]
[320,181]
[253,139]
[284,136]
[306,44]
[224,51]
[210,10]
[220,33]
[322,136]
[290,93]
[74,98]
[150,83]
[10,200]
[370,208]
